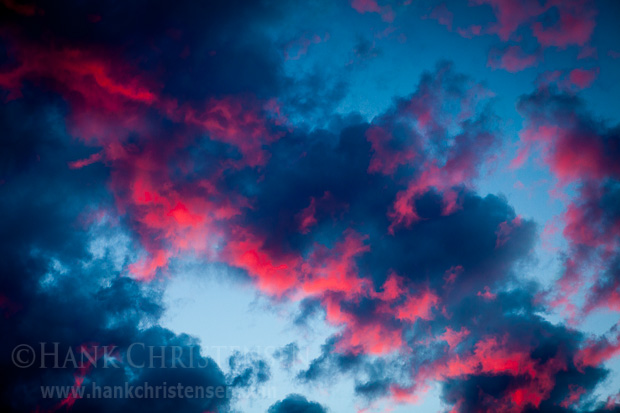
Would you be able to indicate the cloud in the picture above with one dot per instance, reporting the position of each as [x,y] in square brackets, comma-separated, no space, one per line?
[247,370]
[296,403]
[583,78]
[371,6]
[288,355]
[174,131]
[573,21]
[382,294]
[578,150]
[513,59]
[61,289]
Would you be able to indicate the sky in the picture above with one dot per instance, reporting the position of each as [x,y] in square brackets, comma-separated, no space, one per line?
[322,206]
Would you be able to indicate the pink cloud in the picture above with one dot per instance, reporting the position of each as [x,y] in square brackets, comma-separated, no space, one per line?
[299,47]
[371,6]
[386,160]
[511,14]
[470,31]
[583,78]
[442,15]
[575,26]
[513,59]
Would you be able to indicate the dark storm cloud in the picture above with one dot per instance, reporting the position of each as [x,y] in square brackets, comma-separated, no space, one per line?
[552,348]
[447,274]
[56,290]
[295,403]
[375,225]
[197,49]
[509,357]
[486,239]
[328,172]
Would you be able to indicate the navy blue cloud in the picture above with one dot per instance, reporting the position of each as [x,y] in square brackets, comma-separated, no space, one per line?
[295,403]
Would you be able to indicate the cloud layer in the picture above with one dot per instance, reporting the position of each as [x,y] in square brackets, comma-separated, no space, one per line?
[142,135]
